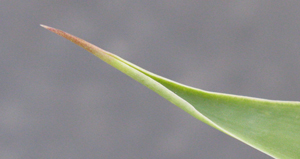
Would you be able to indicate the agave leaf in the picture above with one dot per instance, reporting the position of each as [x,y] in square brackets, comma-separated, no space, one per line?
[272,127]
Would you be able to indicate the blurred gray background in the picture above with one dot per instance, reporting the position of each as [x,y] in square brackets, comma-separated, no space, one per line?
[59,101]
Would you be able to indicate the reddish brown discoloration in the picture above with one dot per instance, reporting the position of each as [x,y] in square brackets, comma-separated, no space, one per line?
[89,47]
[102,54]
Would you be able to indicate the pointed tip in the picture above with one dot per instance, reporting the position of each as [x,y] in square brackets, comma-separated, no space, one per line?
[44,26]
[50,28]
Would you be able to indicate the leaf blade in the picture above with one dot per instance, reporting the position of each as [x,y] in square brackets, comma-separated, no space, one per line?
[269,126]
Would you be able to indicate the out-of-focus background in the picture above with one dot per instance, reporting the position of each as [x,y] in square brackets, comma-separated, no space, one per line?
[59,101]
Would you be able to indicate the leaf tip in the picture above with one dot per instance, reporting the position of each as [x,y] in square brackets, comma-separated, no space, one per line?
[50,28]
[45,26]
[84,44]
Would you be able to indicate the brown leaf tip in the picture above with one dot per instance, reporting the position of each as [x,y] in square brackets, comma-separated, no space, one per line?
[46,27]
[49,28]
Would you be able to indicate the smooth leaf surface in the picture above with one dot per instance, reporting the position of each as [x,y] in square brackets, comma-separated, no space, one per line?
[272,127]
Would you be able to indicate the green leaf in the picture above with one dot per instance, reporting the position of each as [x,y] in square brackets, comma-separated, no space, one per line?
[272,127]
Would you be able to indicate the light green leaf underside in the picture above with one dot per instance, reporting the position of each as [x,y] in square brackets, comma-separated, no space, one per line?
[272,127]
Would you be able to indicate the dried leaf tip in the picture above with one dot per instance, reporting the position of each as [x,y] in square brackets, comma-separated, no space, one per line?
[59,32]
[44,26]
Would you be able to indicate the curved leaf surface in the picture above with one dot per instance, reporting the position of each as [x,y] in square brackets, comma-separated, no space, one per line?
[272,127]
